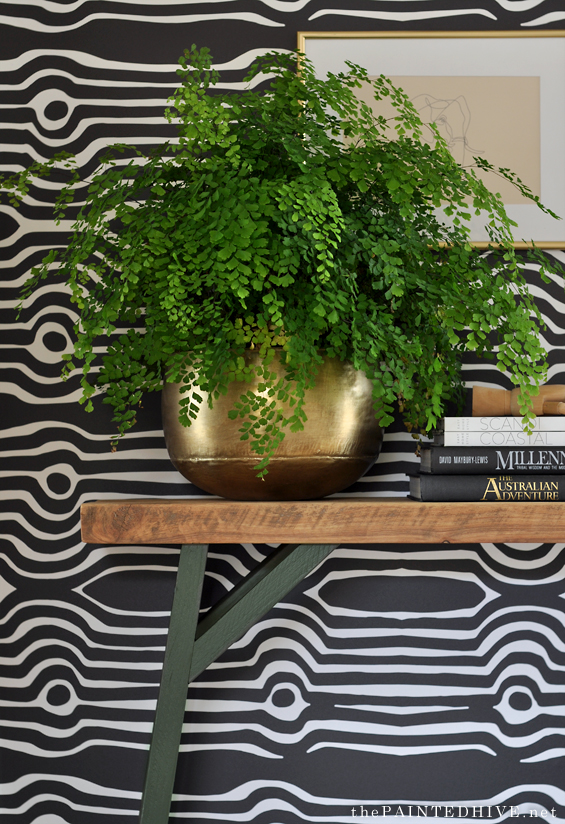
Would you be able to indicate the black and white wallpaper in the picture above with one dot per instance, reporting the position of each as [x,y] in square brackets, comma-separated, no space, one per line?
[395,678]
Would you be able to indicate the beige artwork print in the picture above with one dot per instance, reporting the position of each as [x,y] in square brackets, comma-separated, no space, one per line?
[497,118]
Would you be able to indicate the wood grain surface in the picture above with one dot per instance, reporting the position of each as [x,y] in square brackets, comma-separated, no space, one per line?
[331,521]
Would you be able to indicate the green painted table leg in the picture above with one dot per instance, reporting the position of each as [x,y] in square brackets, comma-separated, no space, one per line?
[247,602]
[186,658]
[165,741]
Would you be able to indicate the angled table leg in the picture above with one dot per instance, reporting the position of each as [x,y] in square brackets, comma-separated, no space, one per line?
[165,741]
[254,596]
[185,657]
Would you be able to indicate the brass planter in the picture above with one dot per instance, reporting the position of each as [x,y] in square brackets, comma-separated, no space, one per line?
[340,441]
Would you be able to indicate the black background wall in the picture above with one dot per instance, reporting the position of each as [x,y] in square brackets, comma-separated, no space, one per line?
[393,675]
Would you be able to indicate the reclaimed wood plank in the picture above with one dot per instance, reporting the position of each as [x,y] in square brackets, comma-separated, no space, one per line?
[328,521]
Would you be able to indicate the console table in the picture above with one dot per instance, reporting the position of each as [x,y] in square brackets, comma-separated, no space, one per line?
[193,645]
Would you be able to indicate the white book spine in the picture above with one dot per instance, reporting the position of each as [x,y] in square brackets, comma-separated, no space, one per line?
[503,424]
[504,439]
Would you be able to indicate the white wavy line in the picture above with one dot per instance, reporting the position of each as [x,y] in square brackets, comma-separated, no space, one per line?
[254,553]
[359,728]
[84,58]
[559,254]
[546,755]
[435,555]
[377,689]
[515,5]
[37,103]
[516,563]
[513,716]
[117,569]
[28,429]
[71,627]
[407,650]
[86,155]
[393,457]
[391,709]
[399,751]
[550,17]
[275,806]
[392,477]
[91,560]
[40,476]
[30,24]
[47,536]
[29,373]
[241,62]
[244,791]
[42,797]
[46,96]
[66,446]
[29,678]
[315,592]
[37,533]
[493,638]
[89,619]
[38,349]
[252,749]
[25,497]
[526,548]
[234,562]
[556,370]
[13,390]
[48,311]
[74,781]
[91,82]
[43,557]
[402,16]
[58,142]
[520,647]
[427,633]
[88,663]
[225,582]
[535,267]
[71,705]
[287,713]
[294,710]
[557,305]
[19,258]
[278,5]
[137,727]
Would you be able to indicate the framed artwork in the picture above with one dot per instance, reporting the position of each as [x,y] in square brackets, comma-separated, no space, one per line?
[498,95]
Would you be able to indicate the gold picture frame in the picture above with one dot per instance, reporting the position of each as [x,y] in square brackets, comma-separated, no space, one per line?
[501,98]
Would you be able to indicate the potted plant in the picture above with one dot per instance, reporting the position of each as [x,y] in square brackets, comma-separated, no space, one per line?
[295,222]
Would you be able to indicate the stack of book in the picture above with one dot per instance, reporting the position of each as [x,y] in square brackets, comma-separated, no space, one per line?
[493,459]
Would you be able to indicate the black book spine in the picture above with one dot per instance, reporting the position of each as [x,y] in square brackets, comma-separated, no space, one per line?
[488,488]
[473,460]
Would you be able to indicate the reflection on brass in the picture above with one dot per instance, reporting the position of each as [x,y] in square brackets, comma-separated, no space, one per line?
[340,441]
[487,401]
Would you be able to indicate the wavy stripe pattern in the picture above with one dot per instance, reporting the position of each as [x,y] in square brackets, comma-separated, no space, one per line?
[398,676]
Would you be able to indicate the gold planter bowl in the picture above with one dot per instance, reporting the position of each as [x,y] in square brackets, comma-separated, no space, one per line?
[340,441]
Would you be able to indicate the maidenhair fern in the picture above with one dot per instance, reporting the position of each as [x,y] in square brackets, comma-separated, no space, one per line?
[291,217]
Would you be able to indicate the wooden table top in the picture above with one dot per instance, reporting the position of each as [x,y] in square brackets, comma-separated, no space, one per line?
[327,521]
